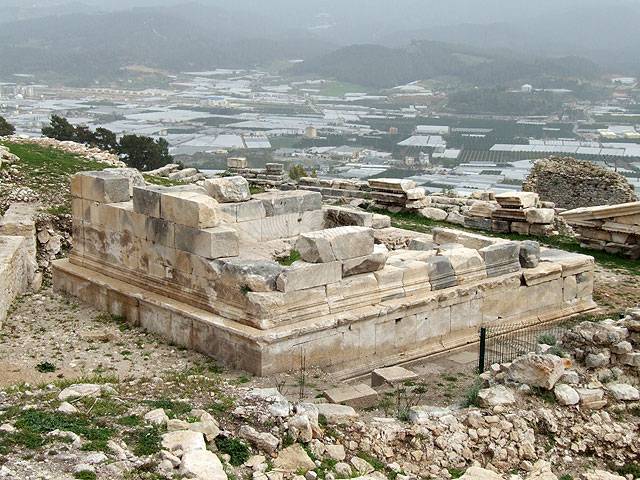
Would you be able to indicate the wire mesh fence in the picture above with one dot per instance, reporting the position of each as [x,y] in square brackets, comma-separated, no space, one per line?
[503,343]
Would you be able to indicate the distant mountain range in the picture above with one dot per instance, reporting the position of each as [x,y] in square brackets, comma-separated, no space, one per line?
[369,42]
[378,66]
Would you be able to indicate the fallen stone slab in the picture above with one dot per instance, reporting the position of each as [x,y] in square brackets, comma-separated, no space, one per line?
[392,376]
[367,264]
[624,392]
[359,395]
[292,459]
[202,465]
[336,414]
[185,440]
[536,370]
[392,184]
[566,395]
[494,396]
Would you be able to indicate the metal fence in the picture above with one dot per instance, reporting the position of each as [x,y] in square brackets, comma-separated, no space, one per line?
[503,343]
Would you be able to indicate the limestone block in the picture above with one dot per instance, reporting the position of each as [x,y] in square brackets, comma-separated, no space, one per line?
[478,223]
[250,210]
[529,254]
[341,216]
[570,288]
[467,264]
[517,199]
[212,243]
[392,376]
[417,193]
[584,285]
[359,289]
[191,209]
[146,201]
[536,370]
[131,221]
[237,162]
[255,275]
[544,272]
[455,218]
[136,179]
[572,263]
[228,189]
[381,221]
[250,231]
[104,187]
[390,282]
[302,275]
[341,243]
[415,274]
[432,213]
[392,184]
[267,305]
[369,263]
[467,239]
[540,215]
[158,230]
[421,244]
[287,202]
[440,272]
[501,226]
[274,228]
[501,258]
[521,228]
[359,395]
[398,258]
[310,221]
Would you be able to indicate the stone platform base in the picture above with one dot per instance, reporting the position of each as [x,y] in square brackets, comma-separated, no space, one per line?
[362,339]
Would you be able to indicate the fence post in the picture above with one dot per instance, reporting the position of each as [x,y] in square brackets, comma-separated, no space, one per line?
[481,357]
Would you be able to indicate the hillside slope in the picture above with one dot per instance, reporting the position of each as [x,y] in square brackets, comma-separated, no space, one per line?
[379,66]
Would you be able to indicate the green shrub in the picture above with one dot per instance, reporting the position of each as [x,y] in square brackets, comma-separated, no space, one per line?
[236,449]
[548,339]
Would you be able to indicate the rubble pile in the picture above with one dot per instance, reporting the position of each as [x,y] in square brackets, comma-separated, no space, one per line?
[336,188]
[90,153]
[614,228]
[515,212]
[272,176]
[571,183]
[176,172]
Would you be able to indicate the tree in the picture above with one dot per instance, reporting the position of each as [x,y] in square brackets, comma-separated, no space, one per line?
[6,128]
[60,129]
[144,153]
[296,172]
[105,139]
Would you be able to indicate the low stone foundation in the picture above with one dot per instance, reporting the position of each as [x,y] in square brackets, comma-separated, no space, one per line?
[17,254]
[202,272]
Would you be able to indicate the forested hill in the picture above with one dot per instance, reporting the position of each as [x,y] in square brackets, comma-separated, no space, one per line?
[92,46]
[379,66]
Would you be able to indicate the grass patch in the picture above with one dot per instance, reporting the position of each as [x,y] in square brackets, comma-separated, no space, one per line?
[33,425]
[236,449]
[85,475]
[161,181]
[566,476]
[171,408]
[547,339]
[288,261]
[223,404]
[471,396]
[371,460]
[630,469]
[456,472]
[130,421]
[145,441]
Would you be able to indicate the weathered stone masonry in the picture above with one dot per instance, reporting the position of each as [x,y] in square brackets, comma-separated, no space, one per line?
[201,272]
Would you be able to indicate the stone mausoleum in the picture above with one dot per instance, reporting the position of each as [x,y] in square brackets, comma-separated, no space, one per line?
[202,266]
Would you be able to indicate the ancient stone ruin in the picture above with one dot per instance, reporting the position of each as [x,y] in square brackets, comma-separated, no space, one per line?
[613,228]
[571,183]
[261,281]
